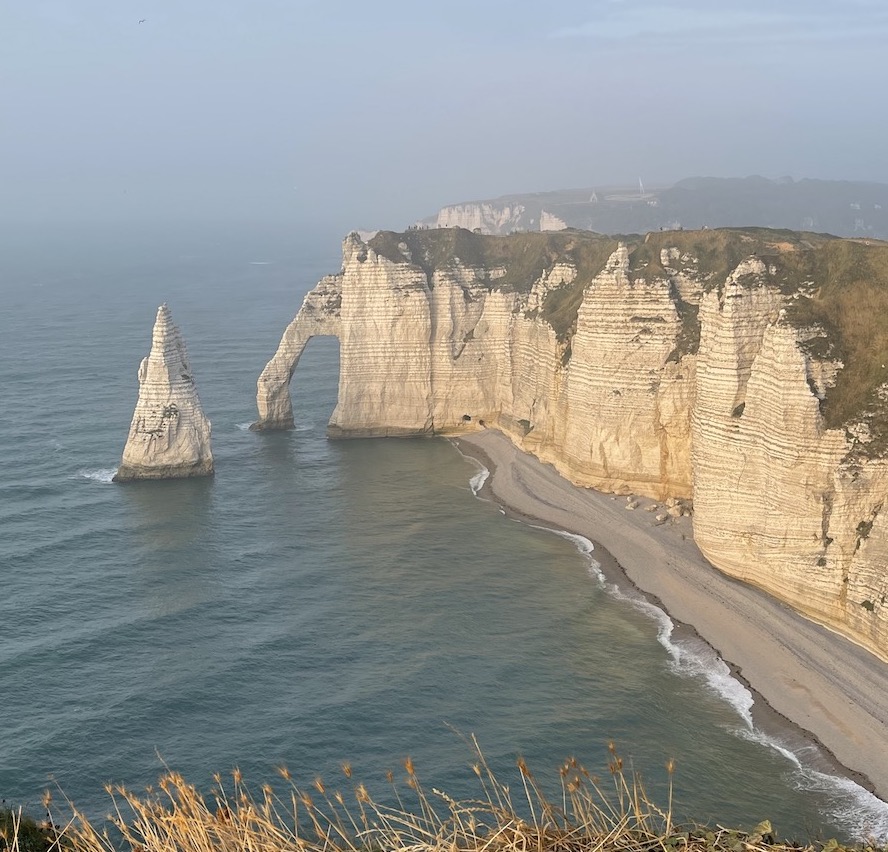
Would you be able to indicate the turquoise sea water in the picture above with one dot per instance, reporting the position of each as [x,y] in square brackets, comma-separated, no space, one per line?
[316,601]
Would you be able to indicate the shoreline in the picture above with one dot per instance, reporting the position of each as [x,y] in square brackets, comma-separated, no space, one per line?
[808,683]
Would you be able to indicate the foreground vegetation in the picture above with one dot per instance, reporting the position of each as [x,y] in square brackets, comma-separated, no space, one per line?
[23,833]
[587,815]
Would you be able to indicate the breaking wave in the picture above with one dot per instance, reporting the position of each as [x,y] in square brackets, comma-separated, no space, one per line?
[863,813]
[476,483]
[586,548]
[102,474]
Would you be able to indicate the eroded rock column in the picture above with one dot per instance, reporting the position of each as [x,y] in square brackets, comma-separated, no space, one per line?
[169,436]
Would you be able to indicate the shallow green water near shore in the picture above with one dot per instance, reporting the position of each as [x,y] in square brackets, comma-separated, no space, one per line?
[316,601]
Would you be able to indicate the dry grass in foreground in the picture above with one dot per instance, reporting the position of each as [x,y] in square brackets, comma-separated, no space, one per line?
[590,815]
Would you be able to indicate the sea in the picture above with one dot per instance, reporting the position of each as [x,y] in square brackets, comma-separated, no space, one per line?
[316,601]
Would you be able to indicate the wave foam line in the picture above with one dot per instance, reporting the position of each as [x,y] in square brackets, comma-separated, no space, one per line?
[849,804]
[103,474]
[476,483]
[864,814]
[585,546]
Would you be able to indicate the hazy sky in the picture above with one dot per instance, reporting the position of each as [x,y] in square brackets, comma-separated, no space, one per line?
[376,113]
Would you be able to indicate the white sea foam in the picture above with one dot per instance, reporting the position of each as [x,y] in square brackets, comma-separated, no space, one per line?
[851,805]
[586,548]
[102,474]
[583,544]
[244,427]
[261,262]
[689,657]
[476,483]
[864,815]
[693,658]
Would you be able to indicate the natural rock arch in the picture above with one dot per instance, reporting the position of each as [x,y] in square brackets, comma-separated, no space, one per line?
[319,316]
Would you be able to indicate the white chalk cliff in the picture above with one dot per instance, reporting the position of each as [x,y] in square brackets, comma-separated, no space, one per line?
[489,217]
[551,222]
[668,368]
[169,436]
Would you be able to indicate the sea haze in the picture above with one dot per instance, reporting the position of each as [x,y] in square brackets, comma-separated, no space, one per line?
[316,601]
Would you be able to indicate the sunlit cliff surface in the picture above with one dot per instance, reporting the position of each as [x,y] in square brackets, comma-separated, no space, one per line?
[746,369]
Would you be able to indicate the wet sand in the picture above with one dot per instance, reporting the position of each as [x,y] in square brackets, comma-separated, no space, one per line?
[814,678]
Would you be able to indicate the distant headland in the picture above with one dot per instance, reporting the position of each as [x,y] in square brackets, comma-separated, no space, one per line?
[843,208]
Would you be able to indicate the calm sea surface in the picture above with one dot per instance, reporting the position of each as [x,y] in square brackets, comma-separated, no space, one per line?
[316,601]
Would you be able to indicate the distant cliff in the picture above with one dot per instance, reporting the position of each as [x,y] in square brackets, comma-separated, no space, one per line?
[745,369]
[844,208]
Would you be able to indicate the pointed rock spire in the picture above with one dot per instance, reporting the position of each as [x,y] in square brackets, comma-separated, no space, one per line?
[169,436]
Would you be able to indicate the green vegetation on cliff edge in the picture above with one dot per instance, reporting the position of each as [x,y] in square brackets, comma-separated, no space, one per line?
[522,257]
[837,290]
[837,293]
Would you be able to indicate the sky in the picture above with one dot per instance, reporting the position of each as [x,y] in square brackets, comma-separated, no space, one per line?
[374,114]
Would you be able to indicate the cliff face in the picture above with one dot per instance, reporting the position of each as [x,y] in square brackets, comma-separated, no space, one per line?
[318,316]
[776,501]
[491,217]
[684,365]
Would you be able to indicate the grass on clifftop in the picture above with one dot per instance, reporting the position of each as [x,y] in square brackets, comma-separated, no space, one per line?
[850,304]
[837,289]
[588,814]
[523,256]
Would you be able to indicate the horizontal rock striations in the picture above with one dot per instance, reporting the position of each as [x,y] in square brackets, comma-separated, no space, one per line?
[742,368]
[490,217]
[318,316]
[169,437]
